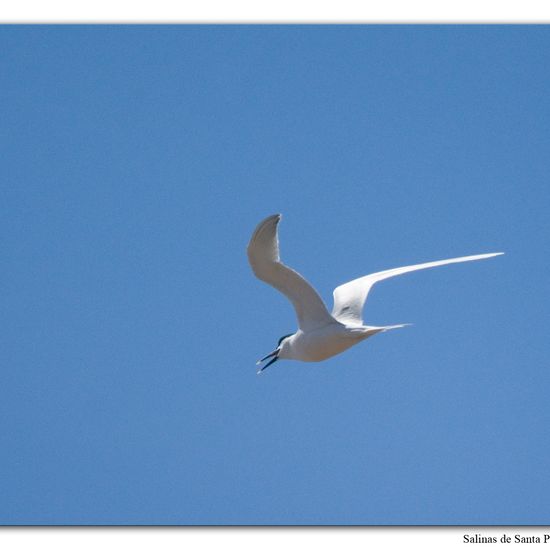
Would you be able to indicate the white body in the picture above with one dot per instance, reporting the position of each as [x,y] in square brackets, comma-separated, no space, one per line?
[321,334]
[324,342]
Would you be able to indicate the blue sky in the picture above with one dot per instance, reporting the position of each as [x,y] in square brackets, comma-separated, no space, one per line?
[137,161]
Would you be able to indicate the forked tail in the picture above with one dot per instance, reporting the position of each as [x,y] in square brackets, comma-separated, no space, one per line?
[375,330]
[390,327]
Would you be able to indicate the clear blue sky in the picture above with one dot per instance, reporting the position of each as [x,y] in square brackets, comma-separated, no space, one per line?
[136,162]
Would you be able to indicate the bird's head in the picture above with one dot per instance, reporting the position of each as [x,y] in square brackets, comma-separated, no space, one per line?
[275,354]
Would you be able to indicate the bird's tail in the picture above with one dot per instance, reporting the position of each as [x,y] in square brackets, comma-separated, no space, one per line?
[375,330]
[390,327]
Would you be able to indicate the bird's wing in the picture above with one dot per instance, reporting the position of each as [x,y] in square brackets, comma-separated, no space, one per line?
[350,298]
[263,255]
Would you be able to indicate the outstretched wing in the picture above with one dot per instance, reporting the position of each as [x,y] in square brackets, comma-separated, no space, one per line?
[263,255]
[350,298]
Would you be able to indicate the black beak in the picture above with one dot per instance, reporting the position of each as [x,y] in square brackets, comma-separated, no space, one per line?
[267,356]
[270,362]
[274,354]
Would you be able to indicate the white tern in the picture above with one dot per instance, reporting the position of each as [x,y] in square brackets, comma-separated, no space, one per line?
[320,334]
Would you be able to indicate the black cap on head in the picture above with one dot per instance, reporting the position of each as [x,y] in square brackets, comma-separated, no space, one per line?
[282,338]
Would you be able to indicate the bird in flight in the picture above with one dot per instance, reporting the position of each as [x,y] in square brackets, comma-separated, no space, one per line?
[320,334]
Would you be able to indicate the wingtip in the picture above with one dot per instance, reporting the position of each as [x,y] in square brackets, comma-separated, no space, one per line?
[260,228]
[265,222]
[487,255]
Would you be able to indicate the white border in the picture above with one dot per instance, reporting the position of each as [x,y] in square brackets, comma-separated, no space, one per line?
[276,11]
[174,538]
